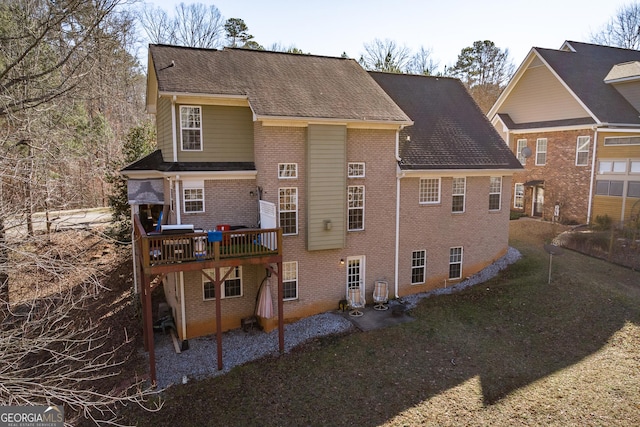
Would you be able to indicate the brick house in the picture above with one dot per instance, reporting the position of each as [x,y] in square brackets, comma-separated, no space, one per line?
[571,115]
[315,172]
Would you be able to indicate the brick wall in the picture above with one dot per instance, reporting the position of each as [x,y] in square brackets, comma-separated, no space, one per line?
[483,234]
[564,182]
[321,277]
[226,201]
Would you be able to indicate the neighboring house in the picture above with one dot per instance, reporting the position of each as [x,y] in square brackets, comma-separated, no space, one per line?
[315,173]
[572,117]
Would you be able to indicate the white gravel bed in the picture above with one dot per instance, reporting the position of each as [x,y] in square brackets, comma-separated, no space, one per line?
[239,347]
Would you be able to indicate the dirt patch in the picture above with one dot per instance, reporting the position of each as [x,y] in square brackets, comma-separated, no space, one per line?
[92,277]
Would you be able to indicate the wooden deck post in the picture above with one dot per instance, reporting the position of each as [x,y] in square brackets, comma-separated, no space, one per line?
[148,328]
[218,289]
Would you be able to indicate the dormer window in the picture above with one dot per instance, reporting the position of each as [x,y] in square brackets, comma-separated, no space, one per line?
[191,128]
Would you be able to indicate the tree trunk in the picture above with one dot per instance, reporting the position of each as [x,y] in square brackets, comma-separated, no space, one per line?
[4,276]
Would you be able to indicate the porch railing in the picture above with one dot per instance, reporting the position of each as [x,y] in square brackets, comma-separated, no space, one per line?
[166,249]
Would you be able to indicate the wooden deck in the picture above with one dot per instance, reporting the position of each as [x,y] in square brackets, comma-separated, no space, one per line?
[157,254]
[164,253]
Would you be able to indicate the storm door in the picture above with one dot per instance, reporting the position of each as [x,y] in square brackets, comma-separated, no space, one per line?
[355,274]
[538,200]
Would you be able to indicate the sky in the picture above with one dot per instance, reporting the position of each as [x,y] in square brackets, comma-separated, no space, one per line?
[445,27]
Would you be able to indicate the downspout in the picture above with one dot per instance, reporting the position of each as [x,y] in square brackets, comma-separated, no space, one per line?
[183,309]
[134,210]
[398,175]
[174,138]
[178,206]
[593,173]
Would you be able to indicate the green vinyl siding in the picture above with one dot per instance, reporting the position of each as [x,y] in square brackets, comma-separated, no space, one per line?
[163,120]
[227,135]
[326,186]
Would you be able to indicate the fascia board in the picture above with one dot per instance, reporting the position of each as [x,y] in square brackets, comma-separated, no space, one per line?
[212,175]
[442,173]
[285,120]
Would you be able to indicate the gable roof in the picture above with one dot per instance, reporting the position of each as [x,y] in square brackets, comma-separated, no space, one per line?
[583,68]
[277,85]
[450,131]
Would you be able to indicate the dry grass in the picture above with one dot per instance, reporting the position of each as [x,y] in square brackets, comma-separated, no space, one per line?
[47,264]
[513,351]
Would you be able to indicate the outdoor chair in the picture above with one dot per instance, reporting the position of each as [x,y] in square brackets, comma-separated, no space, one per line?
[381,295]
[356,301]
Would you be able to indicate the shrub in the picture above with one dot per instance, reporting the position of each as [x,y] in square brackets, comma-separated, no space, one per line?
[516,215]
[602,222]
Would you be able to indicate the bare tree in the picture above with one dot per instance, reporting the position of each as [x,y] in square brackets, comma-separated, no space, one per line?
[198,25]
[156,24]
[622,30]
[385,55]
[194,25]
[43,47]
[60,85]
[422,63]
[53,349]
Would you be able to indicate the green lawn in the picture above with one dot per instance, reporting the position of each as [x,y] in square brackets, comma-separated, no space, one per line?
[512,351]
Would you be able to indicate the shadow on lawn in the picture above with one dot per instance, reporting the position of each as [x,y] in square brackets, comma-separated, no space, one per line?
[509,332]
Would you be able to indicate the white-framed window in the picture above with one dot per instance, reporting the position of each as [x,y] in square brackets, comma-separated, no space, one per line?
[622,140]
[355,169]
[287,170]
[429,191]
[418,267]
[288,210]
[612,166]
[355,204]
[457,194]
[495,193]
[520,145]
[518,196]
[232,286]
[193,199]
[541,152]
[609,188]
[635,167]
[582,150]
[191,128]
[290,280]
[455,262]
[633,189]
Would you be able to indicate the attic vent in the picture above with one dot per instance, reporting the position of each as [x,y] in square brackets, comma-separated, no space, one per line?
[622,140]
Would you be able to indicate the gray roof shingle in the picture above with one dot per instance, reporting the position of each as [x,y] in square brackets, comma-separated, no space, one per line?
[155,162]
[584,71]
[450,131]
[277,84]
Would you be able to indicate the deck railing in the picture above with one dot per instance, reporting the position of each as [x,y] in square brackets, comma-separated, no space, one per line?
[166,249]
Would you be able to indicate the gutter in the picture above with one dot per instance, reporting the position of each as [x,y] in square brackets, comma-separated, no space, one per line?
[397,254]
[593,173]
[397,249]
